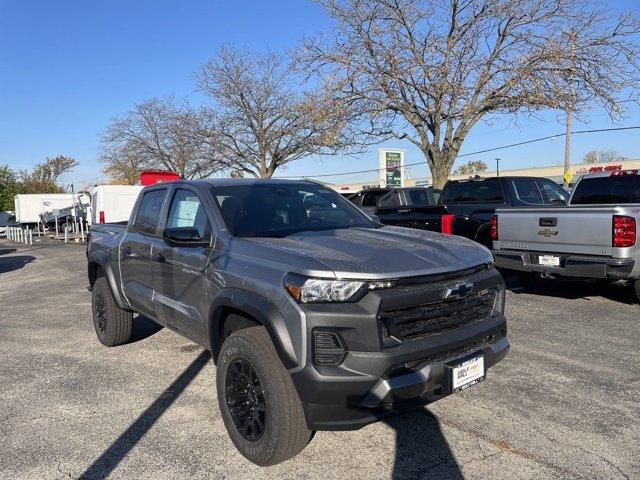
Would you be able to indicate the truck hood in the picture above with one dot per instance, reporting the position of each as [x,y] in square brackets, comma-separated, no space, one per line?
[387,252]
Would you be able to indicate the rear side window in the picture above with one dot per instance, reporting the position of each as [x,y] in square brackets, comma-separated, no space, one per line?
[614,189]
[371,199]
[482,191]
[147,216]
[419,197]
[187,211]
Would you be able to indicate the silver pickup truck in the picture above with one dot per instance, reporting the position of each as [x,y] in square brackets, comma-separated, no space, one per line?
[593,237]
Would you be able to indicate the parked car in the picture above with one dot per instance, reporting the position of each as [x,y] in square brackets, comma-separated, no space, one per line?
[317,317]
[369,199]
[465,207]
[593,237]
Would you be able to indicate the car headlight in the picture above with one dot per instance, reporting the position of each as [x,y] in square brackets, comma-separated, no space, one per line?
[318,290]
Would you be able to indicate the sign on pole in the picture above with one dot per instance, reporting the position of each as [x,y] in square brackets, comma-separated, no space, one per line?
[391,167]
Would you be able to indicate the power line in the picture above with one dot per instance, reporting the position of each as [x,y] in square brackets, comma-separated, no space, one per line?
[511,145]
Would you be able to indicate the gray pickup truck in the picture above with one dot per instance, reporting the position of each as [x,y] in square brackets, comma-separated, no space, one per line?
[593,237]
[317,317]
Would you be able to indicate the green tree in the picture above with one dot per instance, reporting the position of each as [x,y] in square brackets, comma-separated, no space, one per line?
[45,176]
[9,186]
[471,168]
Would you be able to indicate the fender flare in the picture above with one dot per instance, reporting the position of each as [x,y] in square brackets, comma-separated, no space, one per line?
[261,309]
[101,259]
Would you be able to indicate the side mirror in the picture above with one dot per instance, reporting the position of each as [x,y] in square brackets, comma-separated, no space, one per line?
[375,218]
[183,237]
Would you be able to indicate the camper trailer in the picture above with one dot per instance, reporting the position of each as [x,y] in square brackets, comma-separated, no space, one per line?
[29,206]
[112,203]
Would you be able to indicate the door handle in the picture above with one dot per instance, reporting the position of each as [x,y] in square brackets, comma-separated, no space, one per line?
[128,252]
[158,258]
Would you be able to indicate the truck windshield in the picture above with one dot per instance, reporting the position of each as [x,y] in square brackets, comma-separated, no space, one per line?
[278,210]
[606,190]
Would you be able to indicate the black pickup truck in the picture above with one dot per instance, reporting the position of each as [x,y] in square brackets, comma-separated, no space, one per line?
[317,317]
[466,207]
[371,198]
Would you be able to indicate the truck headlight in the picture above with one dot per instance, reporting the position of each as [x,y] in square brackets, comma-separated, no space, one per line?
[318,290]
[498,300]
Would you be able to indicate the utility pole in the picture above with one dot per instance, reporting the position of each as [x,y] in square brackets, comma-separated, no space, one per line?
[567,143]
[497,167]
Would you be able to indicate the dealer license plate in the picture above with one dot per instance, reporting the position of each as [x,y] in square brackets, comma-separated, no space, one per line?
[467,373]
[549,261]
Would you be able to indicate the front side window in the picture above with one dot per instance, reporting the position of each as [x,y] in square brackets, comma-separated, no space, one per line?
[389,200]
[187,211]
[552,192]
[147,217]
[420,197]
[527,191]
[278,210]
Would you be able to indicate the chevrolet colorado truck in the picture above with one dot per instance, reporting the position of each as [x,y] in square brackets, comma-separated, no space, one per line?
[465,207]
[593,237]
[317,317]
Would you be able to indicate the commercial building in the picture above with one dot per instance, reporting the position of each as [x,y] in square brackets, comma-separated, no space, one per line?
[554,173]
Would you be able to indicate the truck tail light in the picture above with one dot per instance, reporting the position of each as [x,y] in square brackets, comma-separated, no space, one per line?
[101,217]
[624,231]
[446,223]
[494,227]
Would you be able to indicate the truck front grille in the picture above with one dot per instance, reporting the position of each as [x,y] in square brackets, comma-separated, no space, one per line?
[430,319]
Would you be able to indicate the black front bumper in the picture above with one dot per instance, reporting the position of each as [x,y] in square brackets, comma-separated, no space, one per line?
[579,266]
[375,381]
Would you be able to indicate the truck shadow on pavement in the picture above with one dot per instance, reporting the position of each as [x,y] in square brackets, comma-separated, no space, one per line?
[9,264]
[143,327]
[421,449]
[118,450]
[5,251]
[573,290]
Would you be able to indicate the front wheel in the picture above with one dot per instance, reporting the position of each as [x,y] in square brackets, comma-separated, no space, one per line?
[258,402]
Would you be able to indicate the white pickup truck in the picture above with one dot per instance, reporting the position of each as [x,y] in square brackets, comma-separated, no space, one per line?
[593,237]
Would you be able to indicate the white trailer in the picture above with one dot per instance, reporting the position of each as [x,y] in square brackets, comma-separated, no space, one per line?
[113,203]
[29,206]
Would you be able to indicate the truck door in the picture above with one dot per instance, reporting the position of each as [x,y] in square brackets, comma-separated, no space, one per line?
[183,292]
[135,252]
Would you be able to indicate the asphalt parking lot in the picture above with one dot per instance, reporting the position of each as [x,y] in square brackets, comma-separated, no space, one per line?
[564,404]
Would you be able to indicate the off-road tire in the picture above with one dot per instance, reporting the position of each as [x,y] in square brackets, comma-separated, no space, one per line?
[285,432]
[113,324]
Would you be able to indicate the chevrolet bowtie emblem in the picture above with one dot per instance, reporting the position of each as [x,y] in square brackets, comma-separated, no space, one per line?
[547,232]
[458,290]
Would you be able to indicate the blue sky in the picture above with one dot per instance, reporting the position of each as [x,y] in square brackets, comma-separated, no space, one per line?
[68,67]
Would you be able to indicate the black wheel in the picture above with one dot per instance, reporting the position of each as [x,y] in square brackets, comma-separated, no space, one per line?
[258,402]
[529,280]
[113,324]
[636,290]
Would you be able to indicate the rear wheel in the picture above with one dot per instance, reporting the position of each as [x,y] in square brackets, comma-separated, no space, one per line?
[636,290]
[529,280]
[258,402]
[113,324]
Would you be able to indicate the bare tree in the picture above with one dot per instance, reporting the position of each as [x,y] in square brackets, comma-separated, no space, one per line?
[428,71]
[471,167]
[590,157]
[260,118]
[157,134]
[606,156]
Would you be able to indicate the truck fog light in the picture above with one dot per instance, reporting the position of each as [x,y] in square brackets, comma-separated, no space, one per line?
[328,348]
